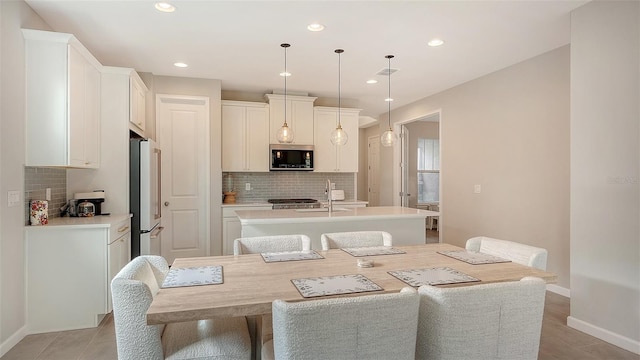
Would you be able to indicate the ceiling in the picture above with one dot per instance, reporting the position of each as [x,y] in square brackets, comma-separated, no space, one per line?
[238,42]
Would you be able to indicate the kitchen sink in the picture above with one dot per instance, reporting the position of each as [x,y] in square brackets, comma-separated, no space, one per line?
[335,209]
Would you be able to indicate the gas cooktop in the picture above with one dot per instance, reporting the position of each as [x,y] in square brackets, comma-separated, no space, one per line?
[291,201]
[294,203]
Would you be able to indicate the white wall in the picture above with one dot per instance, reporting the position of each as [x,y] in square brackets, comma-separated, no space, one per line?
[509,132]
[605,171]
[15,15]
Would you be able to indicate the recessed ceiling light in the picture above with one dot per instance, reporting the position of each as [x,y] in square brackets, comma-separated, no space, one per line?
[165,7]
[285,74]
[435,42]
[315,27]
[388,99]
[372,81]
[180,65]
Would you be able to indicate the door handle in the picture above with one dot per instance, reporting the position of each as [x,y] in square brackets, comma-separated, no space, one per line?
[154,234]
[166,203]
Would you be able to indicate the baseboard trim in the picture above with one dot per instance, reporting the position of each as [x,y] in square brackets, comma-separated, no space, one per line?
[13,340]
[559,290]
[604,334]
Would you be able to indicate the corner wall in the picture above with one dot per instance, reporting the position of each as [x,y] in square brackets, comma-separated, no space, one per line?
[605,171]
[15,15]
[509,132]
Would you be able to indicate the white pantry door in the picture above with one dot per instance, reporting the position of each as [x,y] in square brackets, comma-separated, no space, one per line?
[183,124]
[373,170]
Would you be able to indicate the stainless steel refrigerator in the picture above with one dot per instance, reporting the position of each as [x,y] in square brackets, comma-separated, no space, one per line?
[145,197]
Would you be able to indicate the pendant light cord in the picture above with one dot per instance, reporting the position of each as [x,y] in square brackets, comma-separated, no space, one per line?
[389,100]
[285,46]
[339,51]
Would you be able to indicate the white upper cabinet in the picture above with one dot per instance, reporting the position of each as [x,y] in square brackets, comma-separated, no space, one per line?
[299,117]
[62,101]
[245,136]
[335,158]
[138,92]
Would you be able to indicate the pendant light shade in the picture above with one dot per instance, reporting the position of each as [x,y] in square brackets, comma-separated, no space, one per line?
[388,137]
[339,136]
[285,133]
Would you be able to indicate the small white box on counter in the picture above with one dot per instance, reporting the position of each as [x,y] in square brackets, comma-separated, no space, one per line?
[337,194]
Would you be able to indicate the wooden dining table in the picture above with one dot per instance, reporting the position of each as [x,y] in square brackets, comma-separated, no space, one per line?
[250,284]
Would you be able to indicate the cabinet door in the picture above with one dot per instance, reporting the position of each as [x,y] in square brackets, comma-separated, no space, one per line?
[231,230]
[233,138]
[325,152]
[119,255]
[257,139]
[137,105]
[302,115]
[347,154]
[84,111]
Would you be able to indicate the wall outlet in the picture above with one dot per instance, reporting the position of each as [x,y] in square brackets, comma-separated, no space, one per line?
[47,195]
[333,186]
[477,189]
[13,198]
[247,186]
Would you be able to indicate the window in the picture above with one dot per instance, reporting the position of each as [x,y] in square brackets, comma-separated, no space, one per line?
[428,170]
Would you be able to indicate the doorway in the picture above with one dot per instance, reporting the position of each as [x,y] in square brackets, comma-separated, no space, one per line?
[183,124]
[417,180]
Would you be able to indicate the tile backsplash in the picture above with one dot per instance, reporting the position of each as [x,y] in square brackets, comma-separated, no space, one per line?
[37,180]
[289,184]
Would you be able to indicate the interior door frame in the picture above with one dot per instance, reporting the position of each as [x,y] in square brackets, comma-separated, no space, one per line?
[397,158]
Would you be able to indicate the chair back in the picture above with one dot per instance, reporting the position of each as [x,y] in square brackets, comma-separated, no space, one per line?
[275,243]
[355,239]
[519,253]
[490,321]
[363,327]
[132,290]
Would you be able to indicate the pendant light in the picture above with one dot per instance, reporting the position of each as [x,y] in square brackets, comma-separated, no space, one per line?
[388,137]
[339,136]
[285,133]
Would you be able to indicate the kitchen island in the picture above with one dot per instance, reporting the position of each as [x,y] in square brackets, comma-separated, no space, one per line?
[406,225]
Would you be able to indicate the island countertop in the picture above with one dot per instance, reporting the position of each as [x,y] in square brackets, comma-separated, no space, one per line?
[251,217]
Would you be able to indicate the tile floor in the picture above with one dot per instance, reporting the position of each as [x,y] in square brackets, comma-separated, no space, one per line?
[557,341]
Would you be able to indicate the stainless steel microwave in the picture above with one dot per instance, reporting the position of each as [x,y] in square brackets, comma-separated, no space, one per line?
[291,157]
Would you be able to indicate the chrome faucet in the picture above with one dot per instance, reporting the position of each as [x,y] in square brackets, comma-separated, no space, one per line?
[327,190]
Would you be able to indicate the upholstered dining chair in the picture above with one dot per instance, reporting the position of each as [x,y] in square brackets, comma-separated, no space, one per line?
[497,321]
[379,326]
[355,239]
[519,253]
[274,243]
[133,289]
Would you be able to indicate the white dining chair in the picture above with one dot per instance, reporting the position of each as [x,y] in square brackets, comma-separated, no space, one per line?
[497,321]
[351,239]
[379,326]
[519,253]
[275,243]
[134,288]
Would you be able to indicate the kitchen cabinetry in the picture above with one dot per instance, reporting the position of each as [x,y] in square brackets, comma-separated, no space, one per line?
[62,101]
[138,93]
[245,136]
[335,158]
[231,228]
[70,264]
[299,117]
[113,174]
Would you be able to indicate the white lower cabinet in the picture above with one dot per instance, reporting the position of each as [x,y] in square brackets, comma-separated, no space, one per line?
[231,228]
[69,267]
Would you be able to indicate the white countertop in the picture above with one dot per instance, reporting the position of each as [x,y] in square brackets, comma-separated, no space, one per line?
[249,217]
[82,222]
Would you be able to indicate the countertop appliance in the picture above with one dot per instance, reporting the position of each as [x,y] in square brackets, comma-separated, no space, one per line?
[294,203]
[291,157]
[95,197]
[145,197]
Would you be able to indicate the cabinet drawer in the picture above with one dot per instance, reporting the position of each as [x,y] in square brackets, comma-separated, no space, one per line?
[119,229]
